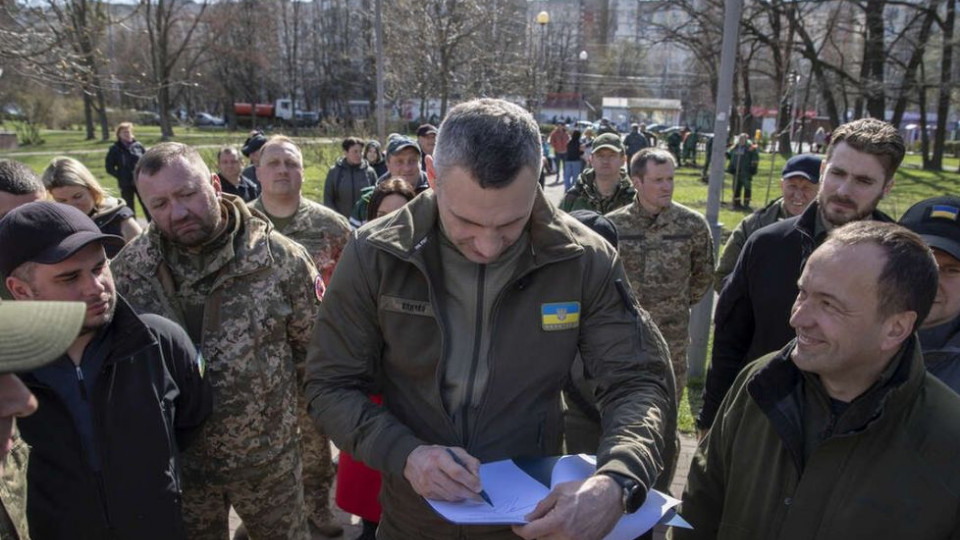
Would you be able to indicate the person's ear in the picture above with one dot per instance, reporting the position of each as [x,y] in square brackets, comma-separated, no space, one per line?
[897,328]
[215,181]
[431,172]
[19,288]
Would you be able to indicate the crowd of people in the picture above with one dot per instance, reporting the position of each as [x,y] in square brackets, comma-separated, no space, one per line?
[436,312]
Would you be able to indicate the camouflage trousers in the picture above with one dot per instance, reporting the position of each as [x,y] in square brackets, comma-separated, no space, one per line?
[269,500]
[318,470]
[678,357]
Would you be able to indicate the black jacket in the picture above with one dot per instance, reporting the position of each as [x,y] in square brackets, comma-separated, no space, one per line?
[342,188]
[753,312]
[121,161]
[149,398]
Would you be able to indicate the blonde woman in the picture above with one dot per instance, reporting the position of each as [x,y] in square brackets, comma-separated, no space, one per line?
[68,181]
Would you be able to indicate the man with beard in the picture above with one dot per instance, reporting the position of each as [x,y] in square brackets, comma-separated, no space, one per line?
[118,407]
[247,295]
[753,312]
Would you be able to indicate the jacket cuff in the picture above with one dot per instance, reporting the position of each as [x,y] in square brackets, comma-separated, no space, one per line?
[396,458]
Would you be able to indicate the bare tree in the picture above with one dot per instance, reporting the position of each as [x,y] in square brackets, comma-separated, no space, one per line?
[171,25]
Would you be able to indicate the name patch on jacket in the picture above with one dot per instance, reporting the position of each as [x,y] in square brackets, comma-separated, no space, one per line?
[559,316]
[403,305]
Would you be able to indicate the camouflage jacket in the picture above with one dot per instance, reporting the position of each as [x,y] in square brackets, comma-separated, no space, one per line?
[584,195]
[319,229]
[13,492]
[669,260]
[257,320]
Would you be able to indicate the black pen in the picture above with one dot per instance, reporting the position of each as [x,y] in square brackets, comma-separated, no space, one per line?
[458,461]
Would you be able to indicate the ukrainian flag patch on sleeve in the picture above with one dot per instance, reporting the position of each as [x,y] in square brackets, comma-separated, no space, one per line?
[559,316]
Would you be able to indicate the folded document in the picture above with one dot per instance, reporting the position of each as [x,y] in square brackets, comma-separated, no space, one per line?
[515,486]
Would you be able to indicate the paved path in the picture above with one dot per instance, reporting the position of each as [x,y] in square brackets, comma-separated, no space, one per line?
[688,443]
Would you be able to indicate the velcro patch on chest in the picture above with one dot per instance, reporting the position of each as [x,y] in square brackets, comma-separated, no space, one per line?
[407,306]
[559,316]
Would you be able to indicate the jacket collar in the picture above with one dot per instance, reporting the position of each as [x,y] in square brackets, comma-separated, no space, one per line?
[588,184]
[416,225]
[777,389]
[251,245]
[807,221]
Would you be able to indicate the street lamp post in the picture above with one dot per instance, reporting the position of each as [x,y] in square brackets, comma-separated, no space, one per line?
[543,18]
[583,60]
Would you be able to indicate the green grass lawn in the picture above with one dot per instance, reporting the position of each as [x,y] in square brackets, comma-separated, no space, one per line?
[912,185]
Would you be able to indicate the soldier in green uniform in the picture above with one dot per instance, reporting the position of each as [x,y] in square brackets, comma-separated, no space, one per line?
[606,186]
[667,252]
[34,334]
[248,296]
[323,232]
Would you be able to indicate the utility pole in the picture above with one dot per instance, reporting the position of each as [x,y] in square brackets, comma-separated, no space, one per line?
[700,318]
[381,121]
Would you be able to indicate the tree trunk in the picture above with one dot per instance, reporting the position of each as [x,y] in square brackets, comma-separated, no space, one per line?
[873,57]
[163,103]
[922,105]
[102,113]
[909,85]
[88,117]
[946,73]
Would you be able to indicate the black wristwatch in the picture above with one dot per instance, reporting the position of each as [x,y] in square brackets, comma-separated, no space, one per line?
[633,495]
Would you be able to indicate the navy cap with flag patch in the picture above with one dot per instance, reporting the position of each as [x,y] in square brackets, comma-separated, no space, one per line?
[937,221]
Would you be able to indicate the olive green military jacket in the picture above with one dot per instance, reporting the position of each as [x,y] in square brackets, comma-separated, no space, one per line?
[382,326]
[886,467]
[256,327]
[585,196]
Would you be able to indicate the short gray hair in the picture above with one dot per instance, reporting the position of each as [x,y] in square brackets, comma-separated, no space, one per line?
[164,154]
[491,139]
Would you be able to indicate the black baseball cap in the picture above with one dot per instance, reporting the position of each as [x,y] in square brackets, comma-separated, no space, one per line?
[426,129]
[599,224]
[47,233]
[805,165]
[937,221]
[253,143]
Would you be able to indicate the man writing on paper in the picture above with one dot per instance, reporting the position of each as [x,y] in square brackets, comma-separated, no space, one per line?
[465,309]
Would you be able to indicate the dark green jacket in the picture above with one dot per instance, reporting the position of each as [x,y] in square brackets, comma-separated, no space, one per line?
[585,196]
[382,325]
[887,467]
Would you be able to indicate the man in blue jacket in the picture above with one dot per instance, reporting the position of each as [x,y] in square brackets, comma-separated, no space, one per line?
[117,407]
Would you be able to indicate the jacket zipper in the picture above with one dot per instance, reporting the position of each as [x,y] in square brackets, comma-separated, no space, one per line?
[101,489]
[475,362]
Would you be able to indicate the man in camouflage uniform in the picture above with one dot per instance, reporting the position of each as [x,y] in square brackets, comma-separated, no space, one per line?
[606,186]
[323,232]
[667,252]
[247,295]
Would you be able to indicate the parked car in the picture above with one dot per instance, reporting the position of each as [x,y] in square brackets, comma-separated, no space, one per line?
[206,119]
